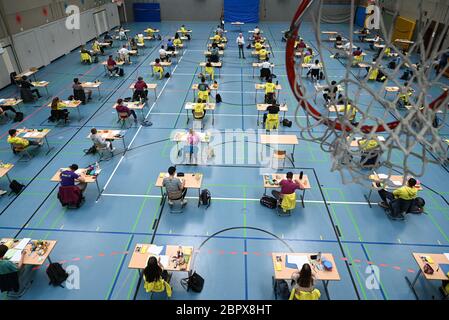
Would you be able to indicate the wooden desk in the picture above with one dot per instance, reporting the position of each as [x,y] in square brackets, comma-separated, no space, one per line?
[263,107]
[136,105]
[208,53]
[41,84]
[321,88]
[32,257]
[221,46]
[139,260]
[261,86]
[151,86]
[28,73]
[4,170]
[35,134]
[259,65]
[92,85]
[277,177]
[111,135]
[389,184]
[71,104]
[192,181]
[284,139]
[88,178]
[208,106]
[321,275]
[181,136]
[11,102]
[213,87]
[438,273]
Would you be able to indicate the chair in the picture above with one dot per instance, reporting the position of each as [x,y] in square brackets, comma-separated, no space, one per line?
[123,118]
[398,208]
[288,204]
[315,294]
[86,58]
[20,149]
[279,155]
[9,282]
[70,196]
[272,122]
[102,150]
[177,206]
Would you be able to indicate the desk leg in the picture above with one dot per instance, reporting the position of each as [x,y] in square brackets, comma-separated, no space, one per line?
[199,197]
[412,284]
[302,197]
[48,145]
[265,191]
[368,198]
[258,112]
[46,89]
[213,117]
[253,71]
[193,95]
[187,114]
[9,179]
[274,287]
[98,187]
[49,259]
[79,113]
[162,194]
[326,282]
[155,94]
[124,144]
[293,155]
[177,149]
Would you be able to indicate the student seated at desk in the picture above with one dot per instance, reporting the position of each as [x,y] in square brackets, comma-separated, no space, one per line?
[263,54]
[124,54]
[163,55]
[271,117]
[98,140]
[214,53]
[96,48]
[407,192]
[120,107]
[108,38]
[216,38]
[330,93]
[203,90]
[199,111]
[133,44]
[112,66]
[25,83]
[170,45]
[308,56]
[140,90]
[16,141]
[184,32]
[288,186]
[158,69]
[122,34]
[150,32]
[177,41]
[69,176]
[219,30]
[265,70]
[371,151]
[258,46]
[79,93]
[86,56]
[15,278]
[257,38]
[209,70]
[256,29]
[270,91]
[203,86]
[155,277]
[405,93]
[300,45]
[58,110]
[314,70]
[175,188]
[338,41]
[304,287]
[376,40]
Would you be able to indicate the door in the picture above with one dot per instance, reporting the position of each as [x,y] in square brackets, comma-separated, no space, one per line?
[27,48]
[434,36]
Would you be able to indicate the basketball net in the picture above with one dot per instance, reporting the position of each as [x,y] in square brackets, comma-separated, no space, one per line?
[404,134]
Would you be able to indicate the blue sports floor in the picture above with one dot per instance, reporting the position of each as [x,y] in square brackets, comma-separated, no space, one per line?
[97,238]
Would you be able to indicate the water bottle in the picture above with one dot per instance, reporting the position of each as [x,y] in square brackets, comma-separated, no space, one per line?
[97,166]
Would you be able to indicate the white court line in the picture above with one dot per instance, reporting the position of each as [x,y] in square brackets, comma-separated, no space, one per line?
[230,199]
[217,114]
[231,75]
[140,127]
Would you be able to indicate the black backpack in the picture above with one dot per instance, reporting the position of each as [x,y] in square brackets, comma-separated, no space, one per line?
[167,75]
[282,290]
[218,98]
[18,117]
[56,274]
[194,282]
[286,123]
[121,72]
[16,186]
[392,64]
[268,202]
[205,198]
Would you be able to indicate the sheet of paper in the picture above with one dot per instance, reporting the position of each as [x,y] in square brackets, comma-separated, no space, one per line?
[397,183]
[22,244]
[382,176]
[298,260]
[446,255]
[164,261]
[79,171]
[13,255]
[156,250]
[381,138]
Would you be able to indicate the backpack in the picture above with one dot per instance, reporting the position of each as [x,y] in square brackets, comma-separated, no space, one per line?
[194,282]
[218,98]
[392,64]
[121,72]
[167,75]
[146,123]
[268,202]
[248,46]
[159,38]
[16,186]
[417,206]
[56,274]
[282,290]
[321,76]
[286,123]
[205,198]
[18,117]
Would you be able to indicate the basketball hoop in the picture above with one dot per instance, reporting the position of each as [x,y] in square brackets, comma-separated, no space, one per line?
[409,135]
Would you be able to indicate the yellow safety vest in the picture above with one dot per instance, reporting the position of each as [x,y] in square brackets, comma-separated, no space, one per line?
[270,87]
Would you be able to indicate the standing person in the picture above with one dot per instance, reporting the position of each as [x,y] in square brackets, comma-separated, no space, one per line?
[241,43]
[192,141]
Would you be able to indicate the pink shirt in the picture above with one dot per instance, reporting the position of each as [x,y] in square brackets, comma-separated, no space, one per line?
[193,139]
[289,186]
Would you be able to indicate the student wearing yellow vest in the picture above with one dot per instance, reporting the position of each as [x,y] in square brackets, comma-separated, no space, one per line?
[270,89]
[217,38]
[407,192]
[177,41]
[198,110]
[263,54]
[370,151]
[18,141]
[96,48]
[209,70]
[258,46]
[185,32]
[304,287]
[155,277]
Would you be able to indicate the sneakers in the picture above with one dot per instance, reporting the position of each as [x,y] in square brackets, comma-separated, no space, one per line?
[170,203]
[113,149]
[2,192]
[383,205]
[116,75]
[184,202]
